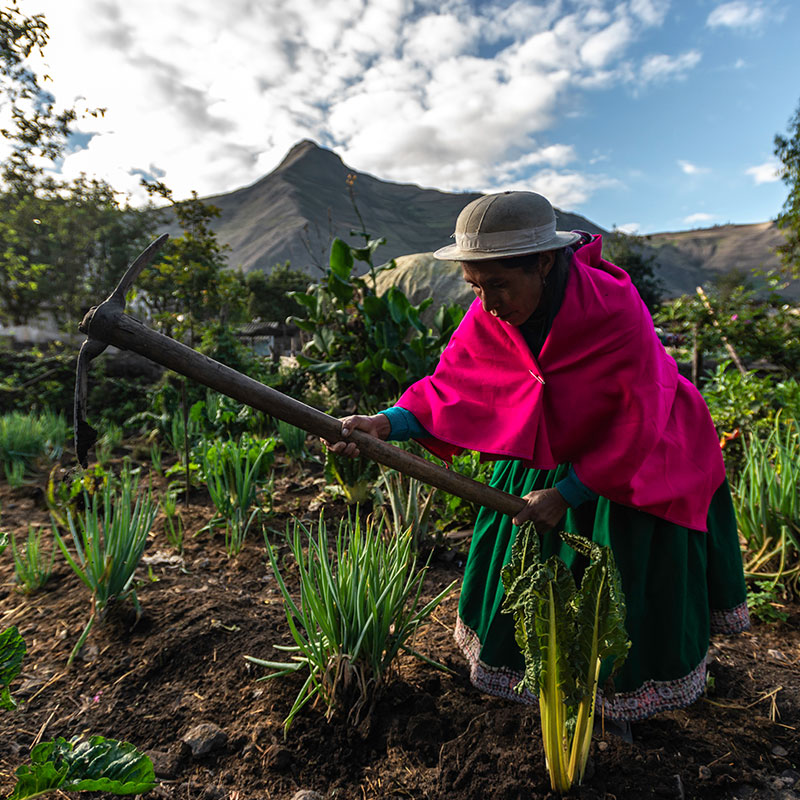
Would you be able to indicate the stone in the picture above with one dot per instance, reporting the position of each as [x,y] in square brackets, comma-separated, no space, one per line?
[307,794]
[165,764]
[204,738]
[779,751]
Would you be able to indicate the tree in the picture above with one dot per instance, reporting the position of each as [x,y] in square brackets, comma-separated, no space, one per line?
[629,252]
[38,129]
[190,284]
[62,243]
[787,149]
[269,300]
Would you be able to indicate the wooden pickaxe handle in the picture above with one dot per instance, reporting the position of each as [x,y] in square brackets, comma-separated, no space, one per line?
[108,324]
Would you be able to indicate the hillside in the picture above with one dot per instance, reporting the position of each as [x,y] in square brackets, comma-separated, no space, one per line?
[294,212]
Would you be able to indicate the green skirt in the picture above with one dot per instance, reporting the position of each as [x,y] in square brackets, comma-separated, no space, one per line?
[680,586]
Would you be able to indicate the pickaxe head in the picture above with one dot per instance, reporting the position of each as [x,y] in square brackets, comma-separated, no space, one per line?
[114,304]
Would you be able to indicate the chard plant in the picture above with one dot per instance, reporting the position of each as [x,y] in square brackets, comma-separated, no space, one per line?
[32,564]
[79,765]
[357,611]
[565,633]
[109,538]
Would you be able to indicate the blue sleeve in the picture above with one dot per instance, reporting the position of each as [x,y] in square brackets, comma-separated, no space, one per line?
[573,491]
[404,425]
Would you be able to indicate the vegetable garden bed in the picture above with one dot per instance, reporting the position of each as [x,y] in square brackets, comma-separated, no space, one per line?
[431,735]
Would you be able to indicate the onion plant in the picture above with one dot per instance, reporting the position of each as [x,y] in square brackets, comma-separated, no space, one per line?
[293,439]
[109,538]
[233,472]
[767,500]
[173,524]
[357,610]
[564,634]
[32,564]
[25,437]
[410,504]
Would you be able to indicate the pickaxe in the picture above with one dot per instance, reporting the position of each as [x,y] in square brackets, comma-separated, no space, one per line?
[109,324]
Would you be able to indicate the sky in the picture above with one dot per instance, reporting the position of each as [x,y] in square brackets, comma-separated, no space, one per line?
[646,115]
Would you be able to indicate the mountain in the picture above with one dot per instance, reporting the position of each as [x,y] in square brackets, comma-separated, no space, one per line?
[687,259]
[294,212]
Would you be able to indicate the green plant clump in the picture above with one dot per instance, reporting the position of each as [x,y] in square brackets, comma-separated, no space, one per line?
[233,472]
[372,346]
[26,437]
[109,539]
[357,611]
[564,634]
[32,566]
[767,500]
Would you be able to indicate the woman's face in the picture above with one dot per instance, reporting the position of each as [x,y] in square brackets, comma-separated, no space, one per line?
[511,294]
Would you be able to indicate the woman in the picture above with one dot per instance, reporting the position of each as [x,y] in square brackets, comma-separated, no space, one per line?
[556,372]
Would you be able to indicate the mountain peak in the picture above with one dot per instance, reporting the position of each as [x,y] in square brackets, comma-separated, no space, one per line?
[305,149]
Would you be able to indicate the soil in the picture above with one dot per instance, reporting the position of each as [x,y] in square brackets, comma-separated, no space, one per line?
[431,734]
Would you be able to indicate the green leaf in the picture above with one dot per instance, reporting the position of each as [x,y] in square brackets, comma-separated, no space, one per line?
[398,305]
[93,765]
[341,289]
[396,371]
[12,651]
[341,259]
[375,307]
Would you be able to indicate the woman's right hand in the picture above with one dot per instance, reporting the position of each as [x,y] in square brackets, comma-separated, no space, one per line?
[377,425]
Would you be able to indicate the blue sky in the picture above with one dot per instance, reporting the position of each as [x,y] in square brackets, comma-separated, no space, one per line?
[645,114]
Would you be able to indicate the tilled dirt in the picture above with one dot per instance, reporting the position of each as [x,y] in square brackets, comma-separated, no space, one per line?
[431,734]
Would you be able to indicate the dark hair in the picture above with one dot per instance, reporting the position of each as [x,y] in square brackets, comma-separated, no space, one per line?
[530,261]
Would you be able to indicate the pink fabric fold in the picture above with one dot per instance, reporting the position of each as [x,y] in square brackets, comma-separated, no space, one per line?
[603,395]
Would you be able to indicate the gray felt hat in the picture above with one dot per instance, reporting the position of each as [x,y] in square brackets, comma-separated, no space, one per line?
[504,225]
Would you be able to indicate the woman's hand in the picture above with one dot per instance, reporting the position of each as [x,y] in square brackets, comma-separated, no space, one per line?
[377,425]
[544,509]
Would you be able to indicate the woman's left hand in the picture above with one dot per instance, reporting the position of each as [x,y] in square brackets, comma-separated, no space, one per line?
[544,509]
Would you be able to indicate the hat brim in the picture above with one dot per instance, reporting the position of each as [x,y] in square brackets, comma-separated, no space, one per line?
[453,252]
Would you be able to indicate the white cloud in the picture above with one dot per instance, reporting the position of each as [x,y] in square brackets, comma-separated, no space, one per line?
[455,95]
[699,219]
[692,169]
[650,12]
[631,228]
[661,67]
[765,173]
[737,14]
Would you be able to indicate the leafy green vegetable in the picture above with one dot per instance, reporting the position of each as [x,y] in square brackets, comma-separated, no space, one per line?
[12,651]
[564,634]
[93,765]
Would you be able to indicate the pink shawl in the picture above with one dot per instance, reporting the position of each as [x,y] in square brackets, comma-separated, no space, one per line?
[603,395]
